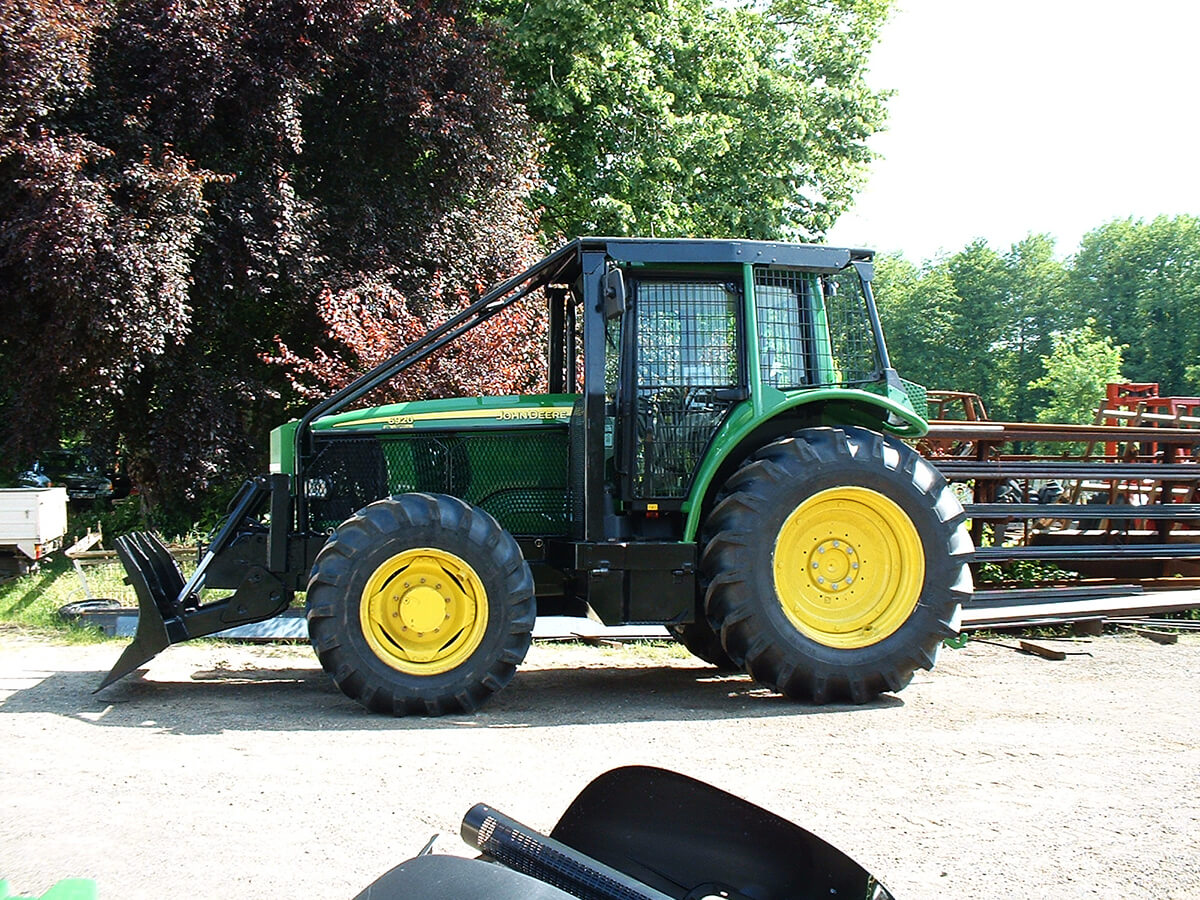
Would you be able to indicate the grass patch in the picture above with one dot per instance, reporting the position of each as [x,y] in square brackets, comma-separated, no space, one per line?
[33,600]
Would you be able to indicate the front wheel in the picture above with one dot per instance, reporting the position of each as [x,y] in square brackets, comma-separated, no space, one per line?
[836,563]
[420,603]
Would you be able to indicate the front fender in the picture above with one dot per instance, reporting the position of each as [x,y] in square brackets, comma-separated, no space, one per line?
[823,407]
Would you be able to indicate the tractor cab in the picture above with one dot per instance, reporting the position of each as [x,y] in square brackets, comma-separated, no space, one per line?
[663,355]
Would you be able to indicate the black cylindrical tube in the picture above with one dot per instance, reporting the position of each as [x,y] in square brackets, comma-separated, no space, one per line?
[524,850]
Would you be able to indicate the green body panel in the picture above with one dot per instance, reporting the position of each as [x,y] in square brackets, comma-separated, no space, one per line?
[507,455]
[450,415]
[839,406]
[453,414]
[283,448]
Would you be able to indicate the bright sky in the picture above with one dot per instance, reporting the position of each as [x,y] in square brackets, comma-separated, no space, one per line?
[1018,116]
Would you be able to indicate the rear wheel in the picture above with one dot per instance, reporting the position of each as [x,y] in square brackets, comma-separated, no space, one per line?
[836,564]
[703,643]
[420,603]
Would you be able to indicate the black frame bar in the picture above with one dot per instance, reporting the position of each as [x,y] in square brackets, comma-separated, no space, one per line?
[499,298]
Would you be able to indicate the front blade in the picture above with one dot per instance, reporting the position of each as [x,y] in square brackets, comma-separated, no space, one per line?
[153,574]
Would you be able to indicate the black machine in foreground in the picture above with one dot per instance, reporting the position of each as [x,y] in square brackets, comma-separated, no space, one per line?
[637,833]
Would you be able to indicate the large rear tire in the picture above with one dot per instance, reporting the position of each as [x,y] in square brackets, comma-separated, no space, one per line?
[703,643]
[420,603]
[836,563]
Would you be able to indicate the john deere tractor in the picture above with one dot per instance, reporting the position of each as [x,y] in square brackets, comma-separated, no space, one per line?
[720,451]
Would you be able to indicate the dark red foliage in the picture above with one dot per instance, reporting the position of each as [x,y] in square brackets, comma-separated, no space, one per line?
[505,355]
[183,184]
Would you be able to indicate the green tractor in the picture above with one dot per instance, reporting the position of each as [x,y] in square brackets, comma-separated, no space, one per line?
[720,452]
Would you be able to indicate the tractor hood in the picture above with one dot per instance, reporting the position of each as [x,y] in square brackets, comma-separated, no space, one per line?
[454,414]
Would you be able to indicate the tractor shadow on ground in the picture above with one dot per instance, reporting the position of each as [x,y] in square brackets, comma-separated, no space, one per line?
[284,699]
[208,702]
[612,694]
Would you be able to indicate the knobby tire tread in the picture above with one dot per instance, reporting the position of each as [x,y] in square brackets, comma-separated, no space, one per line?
[398,523]
[740,595]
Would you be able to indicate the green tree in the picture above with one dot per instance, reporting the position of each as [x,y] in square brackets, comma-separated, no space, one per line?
[1032,309]
[1079,365]
[689,117]
[979,277]
[918,311]
[977,321]
[1141,282]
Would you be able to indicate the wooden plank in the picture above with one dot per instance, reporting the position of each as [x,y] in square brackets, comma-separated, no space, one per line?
[594,641]
[84,544]
[1073,610]
[1093,627]
[1042,651]
[1159,637]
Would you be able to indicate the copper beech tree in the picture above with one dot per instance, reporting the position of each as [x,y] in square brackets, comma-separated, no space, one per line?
[370,322]
[190,190]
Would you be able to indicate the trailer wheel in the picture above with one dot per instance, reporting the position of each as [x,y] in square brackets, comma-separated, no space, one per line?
[420,603]
[836,562]
[703,643]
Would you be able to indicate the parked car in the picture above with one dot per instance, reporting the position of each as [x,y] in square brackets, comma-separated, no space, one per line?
[72,469]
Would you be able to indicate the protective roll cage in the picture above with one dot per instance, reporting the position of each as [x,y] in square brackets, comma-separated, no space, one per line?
[586,265]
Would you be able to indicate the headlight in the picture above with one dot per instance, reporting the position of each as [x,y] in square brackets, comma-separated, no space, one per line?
[317,488]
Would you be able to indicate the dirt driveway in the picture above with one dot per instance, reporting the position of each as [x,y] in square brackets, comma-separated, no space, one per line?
[238,772]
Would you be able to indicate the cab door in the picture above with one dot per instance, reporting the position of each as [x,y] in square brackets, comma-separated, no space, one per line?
[682,362]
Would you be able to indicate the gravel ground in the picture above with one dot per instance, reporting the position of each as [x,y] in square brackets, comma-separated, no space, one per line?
[240,772]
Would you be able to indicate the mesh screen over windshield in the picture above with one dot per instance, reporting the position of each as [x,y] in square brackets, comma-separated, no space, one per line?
[814,334]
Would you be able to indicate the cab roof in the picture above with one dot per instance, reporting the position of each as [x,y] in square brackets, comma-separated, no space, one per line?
[815,257]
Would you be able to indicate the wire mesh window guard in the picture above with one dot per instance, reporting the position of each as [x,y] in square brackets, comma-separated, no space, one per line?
[814,332]
[686,354]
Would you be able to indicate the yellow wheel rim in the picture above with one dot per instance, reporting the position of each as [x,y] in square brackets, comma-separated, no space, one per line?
[424,611]
[849,567]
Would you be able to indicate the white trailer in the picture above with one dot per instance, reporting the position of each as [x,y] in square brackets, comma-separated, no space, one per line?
[33,522]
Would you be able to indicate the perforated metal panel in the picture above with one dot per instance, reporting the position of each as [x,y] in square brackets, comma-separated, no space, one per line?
[918,396]
[520,477]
